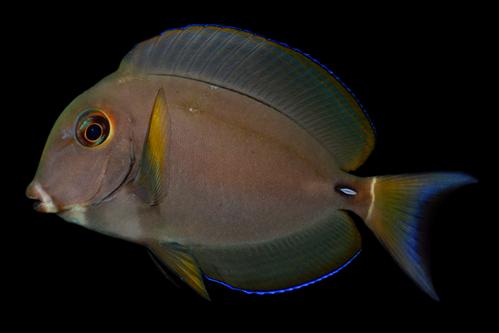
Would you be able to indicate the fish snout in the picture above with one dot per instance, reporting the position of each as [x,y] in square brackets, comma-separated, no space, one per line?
[43,203]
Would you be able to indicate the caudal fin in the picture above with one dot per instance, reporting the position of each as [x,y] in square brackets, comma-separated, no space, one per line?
[397,215]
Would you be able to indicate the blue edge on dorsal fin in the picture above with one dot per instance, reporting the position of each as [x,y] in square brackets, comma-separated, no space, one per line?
[279,291]
[291,48]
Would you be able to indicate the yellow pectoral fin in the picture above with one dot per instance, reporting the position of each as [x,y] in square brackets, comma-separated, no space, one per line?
[150,179]
[183,264]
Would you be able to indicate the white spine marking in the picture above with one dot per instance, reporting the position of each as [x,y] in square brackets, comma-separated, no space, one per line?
[373,197]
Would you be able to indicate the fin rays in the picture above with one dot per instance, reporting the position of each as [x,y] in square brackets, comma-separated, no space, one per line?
[289,81]
[288,262]
[397,218]
[280,291]
[150,179]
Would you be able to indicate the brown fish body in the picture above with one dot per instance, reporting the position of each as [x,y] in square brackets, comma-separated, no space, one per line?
[227,155]
[237,170]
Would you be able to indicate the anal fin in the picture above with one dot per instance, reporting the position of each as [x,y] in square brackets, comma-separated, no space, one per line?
[287,263]
[181,262]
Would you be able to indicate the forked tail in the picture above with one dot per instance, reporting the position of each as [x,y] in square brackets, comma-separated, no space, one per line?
[397,213]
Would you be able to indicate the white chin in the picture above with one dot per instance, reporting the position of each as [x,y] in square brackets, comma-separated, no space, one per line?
[75,214]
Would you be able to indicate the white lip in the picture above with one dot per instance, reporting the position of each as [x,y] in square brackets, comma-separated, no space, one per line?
[46,204]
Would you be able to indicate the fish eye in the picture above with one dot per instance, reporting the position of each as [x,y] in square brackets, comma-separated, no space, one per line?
[92,128]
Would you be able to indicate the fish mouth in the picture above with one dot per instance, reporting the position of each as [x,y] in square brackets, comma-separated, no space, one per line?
[43,201]
[45,204]
[43,207]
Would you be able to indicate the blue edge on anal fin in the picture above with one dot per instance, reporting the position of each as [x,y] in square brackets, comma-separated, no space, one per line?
[279,291]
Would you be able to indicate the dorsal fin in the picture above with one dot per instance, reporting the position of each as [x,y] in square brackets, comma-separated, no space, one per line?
[267,71]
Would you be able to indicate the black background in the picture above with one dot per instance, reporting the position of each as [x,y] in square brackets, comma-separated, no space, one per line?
[421,73]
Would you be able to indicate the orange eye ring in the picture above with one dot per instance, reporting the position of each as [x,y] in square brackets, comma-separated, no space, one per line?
[93,128]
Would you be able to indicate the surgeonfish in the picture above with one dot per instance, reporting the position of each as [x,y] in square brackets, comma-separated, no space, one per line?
[229,156]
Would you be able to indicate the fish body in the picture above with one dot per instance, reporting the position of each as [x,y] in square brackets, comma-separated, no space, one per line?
[228,156]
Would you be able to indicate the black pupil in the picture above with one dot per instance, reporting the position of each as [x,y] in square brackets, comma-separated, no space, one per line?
[93,132]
